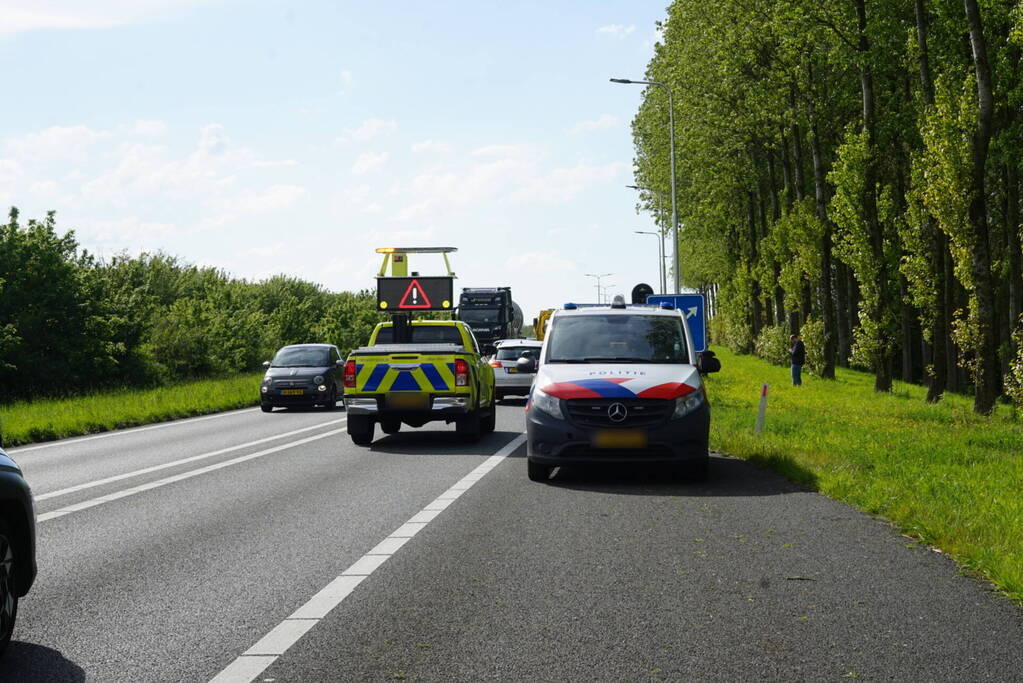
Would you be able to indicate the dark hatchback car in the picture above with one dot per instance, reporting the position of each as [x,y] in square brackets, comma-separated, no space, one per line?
[17,544]
[302,375]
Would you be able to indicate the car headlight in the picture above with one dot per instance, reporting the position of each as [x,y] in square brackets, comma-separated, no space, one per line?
[687,404]
[547,403]
[318,379]
[268,380]
[264,389]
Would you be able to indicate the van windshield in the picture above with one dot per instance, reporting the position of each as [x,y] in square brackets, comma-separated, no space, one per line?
[617,338]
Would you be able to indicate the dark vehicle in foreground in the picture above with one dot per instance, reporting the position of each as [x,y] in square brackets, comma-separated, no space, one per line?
[17,544]
[618,384]
[302,375]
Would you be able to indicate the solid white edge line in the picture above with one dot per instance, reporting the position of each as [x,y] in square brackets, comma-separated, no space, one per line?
[129,430]
[124,493]
[183,461]
[249,665]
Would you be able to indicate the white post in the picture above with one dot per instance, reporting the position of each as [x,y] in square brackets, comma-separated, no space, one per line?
[762,410]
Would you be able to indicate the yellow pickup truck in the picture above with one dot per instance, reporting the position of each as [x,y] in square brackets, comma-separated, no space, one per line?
[438,376]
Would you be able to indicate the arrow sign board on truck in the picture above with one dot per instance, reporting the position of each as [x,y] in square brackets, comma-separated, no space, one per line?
[414,293]
[692,307]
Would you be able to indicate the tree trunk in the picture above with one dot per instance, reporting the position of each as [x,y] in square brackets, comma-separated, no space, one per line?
[756,312]
[1012,229]
[832,330]
[878,309]
[986,375]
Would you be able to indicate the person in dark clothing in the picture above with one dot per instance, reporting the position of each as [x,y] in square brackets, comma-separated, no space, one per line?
[798,355]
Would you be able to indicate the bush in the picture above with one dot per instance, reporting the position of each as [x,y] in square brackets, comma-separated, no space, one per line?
[773,344]
[812,332]
[1014,378]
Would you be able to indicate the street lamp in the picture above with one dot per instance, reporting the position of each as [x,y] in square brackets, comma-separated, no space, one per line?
[671,146]
[660,256]
[598,276]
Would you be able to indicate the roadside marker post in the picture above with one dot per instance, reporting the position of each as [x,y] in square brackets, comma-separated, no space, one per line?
[762,411]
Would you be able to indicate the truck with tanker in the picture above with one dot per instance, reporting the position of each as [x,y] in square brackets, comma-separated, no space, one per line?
[490,313]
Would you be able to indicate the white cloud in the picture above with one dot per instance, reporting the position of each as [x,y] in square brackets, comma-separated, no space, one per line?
[149,128]
[540,262]
[43,188]
[124,230]
[10,170]
[498,174]
[251,203]
[34,15]
[602,121]
[346,78]
[367,130]
[56,142]
[616,30]
[431,147]
[369,162]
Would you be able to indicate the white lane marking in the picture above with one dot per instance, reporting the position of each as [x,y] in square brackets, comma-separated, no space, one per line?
[130,430]
[183,461]
[254,661]
[124,493]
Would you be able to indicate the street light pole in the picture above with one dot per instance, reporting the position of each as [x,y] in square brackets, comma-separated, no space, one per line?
[598,276]
[671,146]
[660,256]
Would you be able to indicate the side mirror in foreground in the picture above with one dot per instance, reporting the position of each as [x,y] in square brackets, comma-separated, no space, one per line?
[706,363]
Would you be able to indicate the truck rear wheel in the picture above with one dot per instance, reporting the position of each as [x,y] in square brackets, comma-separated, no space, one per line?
[360,428]
[469,426]
[489,421]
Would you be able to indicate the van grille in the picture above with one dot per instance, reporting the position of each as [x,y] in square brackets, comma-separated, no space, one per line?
[641,412]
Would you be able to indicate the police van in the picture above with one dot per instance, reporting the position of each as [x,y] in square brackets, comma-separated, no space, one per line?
[619,383]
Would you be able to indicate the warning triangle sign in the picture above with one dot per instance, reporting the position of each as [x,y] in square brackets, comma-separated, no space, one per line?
[415,297]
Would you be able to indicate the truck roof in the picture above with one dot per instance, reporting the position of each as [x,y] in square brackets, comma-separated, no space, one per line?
[645,309]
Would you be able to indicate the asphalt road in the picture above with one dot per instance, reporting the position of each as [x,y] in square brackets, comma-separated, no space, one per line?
[267,547]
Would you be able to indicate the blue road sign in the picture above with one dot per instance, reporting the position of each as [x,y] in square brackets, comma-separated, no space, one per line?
[692,307]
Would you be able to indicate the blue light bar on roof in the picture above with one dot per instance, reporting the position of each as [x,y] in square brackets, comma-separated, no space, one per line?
[570,306]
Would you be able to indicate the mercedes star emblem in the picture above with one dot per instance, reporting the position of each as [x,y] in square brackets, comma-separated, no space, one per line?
[617,412]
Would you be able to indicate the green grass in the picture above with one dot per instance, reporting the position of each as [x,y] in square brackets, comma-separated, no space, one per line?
[945,476]
[48,419]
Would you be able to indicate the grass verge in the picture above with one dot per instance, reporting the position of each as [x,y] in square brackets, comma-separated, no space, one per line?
[945,476]
[45,420]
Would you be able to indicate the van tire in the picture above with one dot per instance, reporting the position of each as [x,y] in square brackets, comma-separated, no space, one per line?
[470,426]
[390,426]
[538,472]
[360,428]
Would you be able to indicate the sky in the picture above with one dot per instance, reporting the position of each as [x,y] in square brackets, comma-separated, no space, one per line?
[268,137]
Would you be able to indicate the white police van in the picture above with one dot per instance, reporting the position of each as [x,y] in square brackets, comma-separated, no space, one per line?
[618,383]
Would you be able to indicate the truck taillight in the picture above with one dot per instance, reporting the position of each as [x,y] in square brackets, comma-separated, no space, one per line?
[350,374]
[461,373]
[495,364]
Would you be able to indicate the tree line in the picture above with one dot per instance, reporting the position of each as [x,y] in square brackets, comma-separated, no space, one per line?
[849,169]
[71,323]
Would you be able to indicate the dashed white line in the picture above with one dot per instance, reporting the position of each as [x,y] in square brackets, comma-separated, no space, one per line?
[131,430]
[124,493]
[183,461]
[254,661]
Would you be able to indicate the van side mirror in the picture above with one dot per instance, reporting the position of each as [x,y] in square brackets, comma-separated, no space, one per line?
[526,365]
[707,362]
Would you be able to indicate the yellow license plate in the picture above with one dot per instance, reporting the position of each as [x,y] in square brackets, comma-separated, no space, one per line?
[620,438]
[408,401]
[512,371]
[292,392]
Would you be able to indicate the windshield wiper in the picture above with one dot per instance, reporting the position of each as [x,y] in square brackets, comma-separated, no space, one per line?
[615,359]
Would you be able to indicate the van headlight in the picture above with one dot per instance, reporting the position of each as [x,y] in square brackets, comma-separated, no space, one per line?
[548,404]
[687,404]
[318,379]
